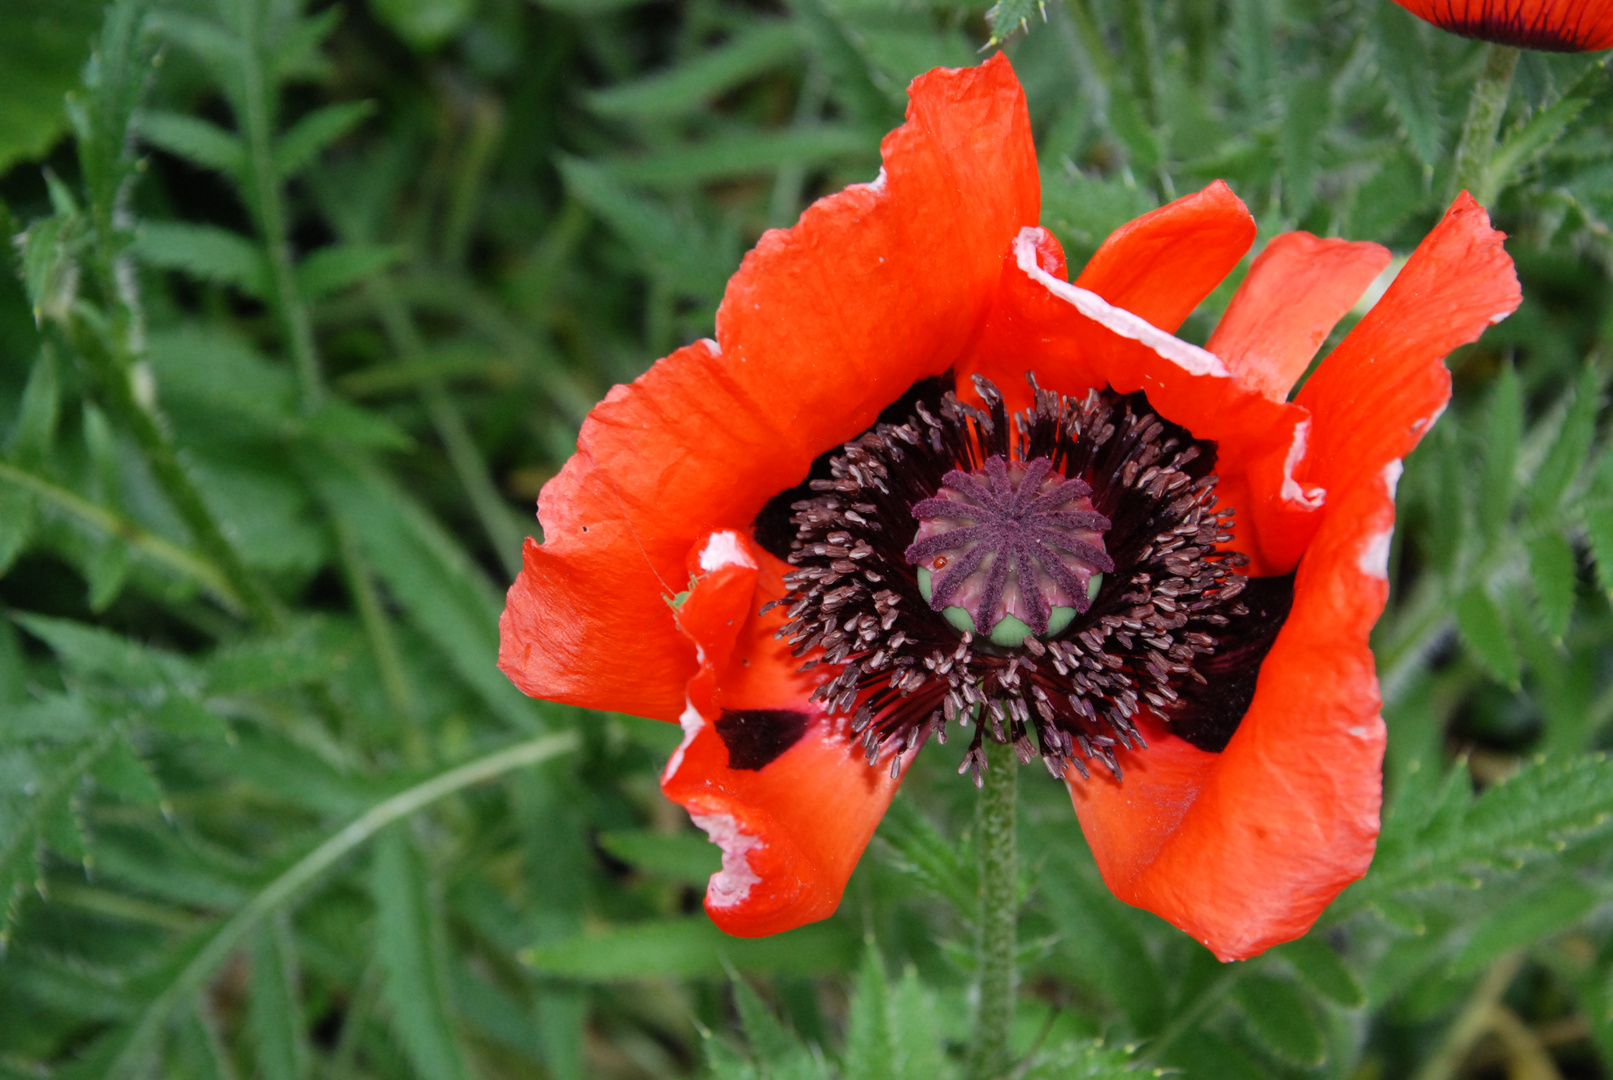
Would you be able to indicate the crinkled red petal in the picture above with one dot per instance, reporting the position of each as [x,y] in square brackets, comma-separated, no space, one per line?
[824,325]
[1299,287]
[1074,341]
[1550,25]
[1244,849]
[1384,386]
[792,830]
[1162,265]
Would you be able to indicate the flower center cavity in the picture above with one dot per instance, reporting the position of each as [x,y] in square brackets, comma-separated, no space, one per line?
[1043,577]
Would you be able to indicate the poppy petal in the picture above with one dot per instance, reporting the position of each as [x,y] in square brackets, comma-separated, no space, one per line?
[1074,340]
[1386,383]
[1298,288]
[774,782]
[824,325]
[1244,849]
[1162,265]
[1548,25]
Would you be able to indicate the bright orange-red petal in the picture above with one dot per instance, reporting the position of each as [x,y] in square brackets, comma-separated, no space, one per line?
[791,830]
[1243,849]
[1386,383]
[1163,264]
[823,325]
[1074,341]
[1299,287]
[1550,25]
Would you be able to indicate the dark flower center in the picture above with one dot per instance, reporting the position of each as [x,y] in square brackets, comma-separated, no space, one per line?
[1042,577]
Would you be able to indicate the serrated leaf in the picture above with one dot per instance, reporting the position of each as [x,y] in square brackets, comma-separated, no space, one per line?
[1555,572]
[122,772]
[916,1031]
[1503,435]
[305,140]
[408,945]
[693,947]
[1484,629]
[744,155]
[1537,914]
[1536,135]
[870,1054]
[943,866]
[198,141]
[1252,41]
[187,718]
[90,650]
[1282,1018]
[207,252]
[39,413]
[274,1013]
[1407,73]
[684,857]
[1307,115]
[1007,16]
[755,49]
[1322,969]
[203,38]
[1599,531]
[1548,805]
[17,519]
[1569,450]
[770,1041]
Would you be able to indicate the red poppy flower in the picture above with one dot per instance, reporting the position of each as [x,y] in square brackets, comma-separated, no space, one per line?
[1547,25]
[923,483]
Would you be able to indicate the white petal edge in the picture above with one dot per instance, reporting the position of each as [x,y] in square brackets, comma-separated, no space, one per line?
[725,548]
[732,884]
[1190,358]
[1311,497]
[691,721]
[1374,561]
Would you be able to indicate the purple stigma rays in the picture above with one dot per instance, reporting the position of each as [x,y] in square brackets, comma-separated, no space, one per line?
[1012,539]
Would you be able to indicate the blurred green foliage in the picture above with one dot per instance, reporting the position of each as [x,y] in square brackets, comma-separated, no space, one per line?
[308,300]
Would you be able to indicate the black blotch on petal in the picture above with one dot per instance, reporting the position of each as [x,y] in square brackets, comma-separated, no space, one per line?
[755,737]
[773,529]
[1208,714]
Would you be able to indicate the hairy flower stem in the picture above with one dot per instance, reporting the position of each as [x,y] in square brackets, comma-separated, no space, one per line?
[1484,111]
[999,913]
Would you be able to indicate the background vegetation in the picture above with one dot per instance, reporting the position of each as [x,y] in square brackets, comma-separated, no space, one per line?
[308,299]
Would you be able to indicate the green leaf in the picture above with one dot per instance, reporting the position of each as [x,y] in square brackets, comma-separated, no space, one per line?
[1599,530]
[17,518]
[274,1011]
[1408,73]
[39,413]
[122,772]
[942,866]
[759,47]
[1007,16]
[1547,806]
[684,857]
[305,140]
[692,948]
[870,1053]
[408,945]
[1252,39]
[1555,572]
[745,155]
[92,651]
[1482,626]
[331,269]
[198,141]
[1569,451]
[1537,134]
[187,718]
[42,51]
[916,1032]
[1282,1018]
[207,252]
[1539,913]
[1322,969]
[1307,116]
[1503,434]
[424,24]
[770,1041]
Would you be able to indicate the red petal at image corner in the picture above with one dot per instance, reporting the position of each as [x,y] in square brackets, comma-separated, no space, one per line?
[1548,25]
[1244,849]
[823,325]
[791,833]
